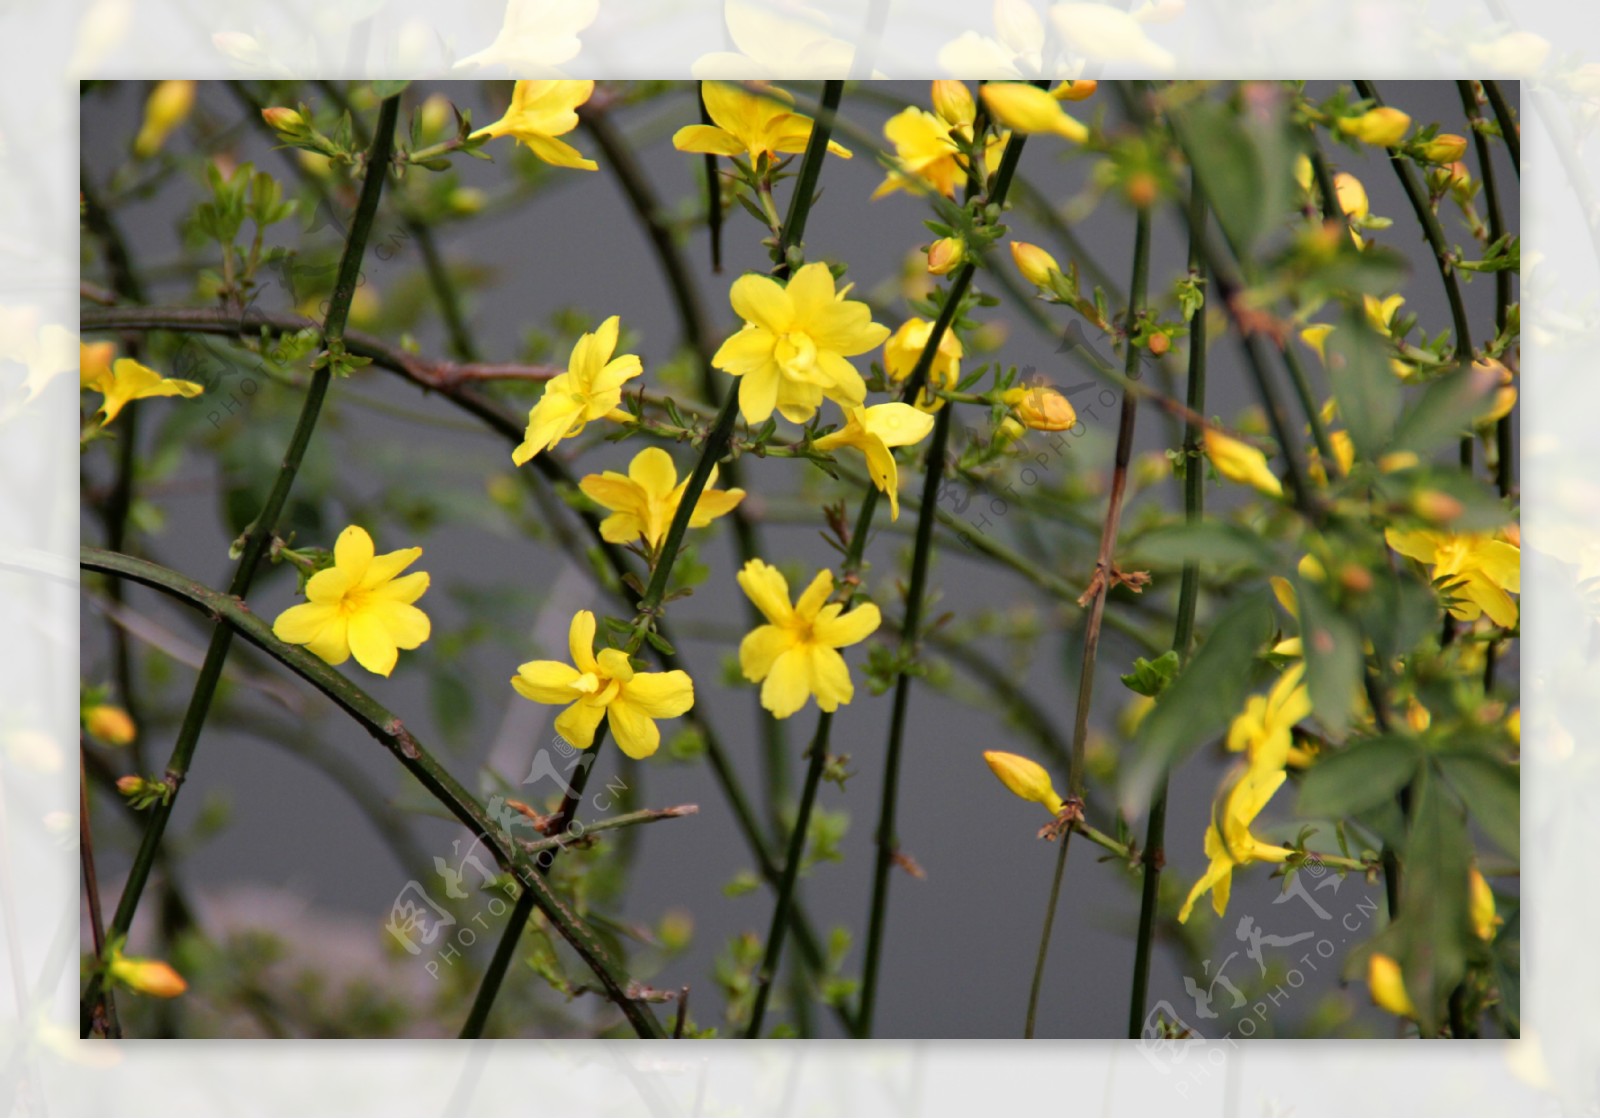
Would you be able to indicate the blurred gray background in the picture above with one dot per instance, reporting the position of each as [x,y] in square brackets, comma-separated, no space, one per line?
[296,856]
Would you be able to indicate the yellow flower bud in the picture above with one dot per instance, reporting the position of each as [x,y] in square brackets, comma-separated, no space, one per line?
[952,102]
[1444,148]
[1008,431]
[467,200]
[169,106]
[1383,127]
[130,784]
[1388,989]
[1037,266]
[1505,396]
[435,116]
[1484,919]
[1044,409]
[1242,463]
[1024,777]
[1080,89]
[283,120]
[946,254]
[1396,461]
[1437,506]
[109,724]
[1351,194]
[148,977]
[1028,109]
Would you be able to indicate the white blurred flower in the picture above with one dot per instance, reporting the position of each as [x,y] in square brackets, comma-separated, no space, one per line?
[1108,35]
[776,39]
[102,27]
[537,36]
[1518,53]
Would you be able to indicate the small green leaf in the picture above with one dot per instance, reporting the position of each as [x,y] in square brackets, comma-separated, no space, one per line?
[1435,925]
[1367,389]
[1491,790]
[1334,663]
[1367,774]
[1150,678]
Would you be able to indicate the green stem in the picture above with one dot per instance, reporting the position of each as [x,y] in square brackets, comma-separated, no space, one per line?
[818,759]
[260,532]
[1044,938]
[91,889]
[1154,855]
[1510,131]
[389,730]
[793,234]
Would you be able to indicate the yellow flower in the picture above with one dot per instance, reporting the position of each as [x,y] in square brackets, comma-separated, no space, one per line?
[1079,89]
[110,724]
[1043,408]
[168,106]
[1232,845]
[540,111]
[872,431]
[945,255]
[1344,456]
[589,389]
[1038,267]
[1026,778]
[1505,394]
[1382,127]
[605,686]
[147,977]
[792,349]
[751,120]
[1388,988]
[361,605]
[1029,109]
[1242,463]
[1444,148]
[1351,194]
[1316,336]
[1481,898]
[1380,312]
[928,145]
[644,501]
[902,351]
[537,35]
[796,655]
[127,380]
[1263,730]
[1475,569]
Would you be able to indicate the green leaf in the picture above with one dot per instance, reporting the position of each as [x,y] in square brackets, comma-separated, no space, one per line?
[1492,793]
[1244,162]
[388,89]
[1444,412]
[1150,678]
[1366,388]
[1334,662]
[1434,925]
[1201,700]
[1364,776]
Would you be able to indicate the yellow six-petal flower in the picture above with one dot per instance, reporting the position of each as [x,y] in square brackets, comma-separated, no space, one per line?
[1231,844]
[873,431]
[539,112]
[794,347]
[360,606]
[605,686]
[749,119]
[644,501]
[904,348]
[796,656]
[124,380]
[1479,571]
[589,389]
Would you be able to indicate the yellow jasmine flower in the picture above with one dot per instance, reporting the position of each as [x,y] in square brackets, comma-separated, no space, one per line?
[1481,905]
[1316,336]
[110,724]
[1232,845]
[1380,312]
[1475,569]
[1038,267]
[872,431]
[1028,109]
[928,145]
[1383,127]
[903,349]
[605,686]
[126,380]
[1240,462]
[360,606]
[1264,730]
[589,389]
[792,349]
[751,120]
[1025,777]
[1344,456]
[147,977]
[1387,986]
[540,111]
[1042,408]
[796,656]
[168,106]
[1446,147]
[644,501]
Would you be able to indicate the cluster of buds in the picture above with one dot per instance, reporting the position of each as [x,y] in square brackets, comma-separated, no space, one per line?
[142,792]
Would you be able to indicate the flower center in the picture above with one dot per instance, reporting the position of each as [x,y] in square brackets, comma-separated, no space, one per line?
[795,352]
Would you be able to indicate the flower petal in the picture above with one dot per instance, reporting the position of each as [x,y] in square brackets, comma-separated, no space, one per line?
[745,351]
[383,568]
[546,681]
[758,394]
[577,723]
[830,678]
[300,625]
[706,139]
[761,300]
[407,626]
[653,471]
[812,598]
[788,683]
[636,733]
[838,630]
[765,586]
[371,644]
[760,647]
[352,552]
[661,695]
